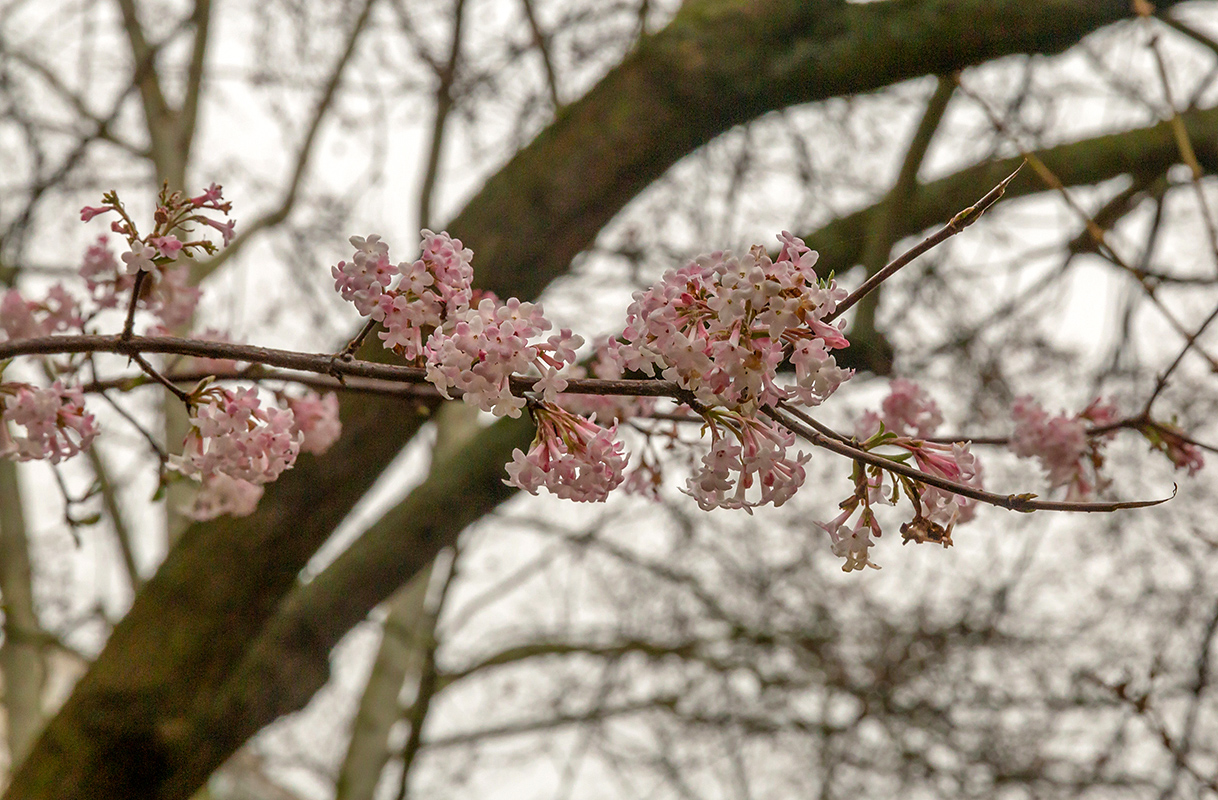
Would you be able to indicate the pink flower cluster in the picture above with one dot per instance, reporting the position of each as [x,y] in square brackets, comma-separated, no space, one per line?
[721,326]
[490,343]
[907,411]
[432,288]
[1070,457]
[231,433]
[746,453]
[315,418]
[429,317]
[573,457]
[25,319]
[221,495]
[908,415]
[56,425]
[233,469]
[161,255]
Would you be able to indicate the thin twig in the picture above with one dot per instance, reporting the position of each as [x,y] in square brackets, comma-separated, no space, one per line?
[1012,502]
[151,372]
[1189,341]
[353,345]
[958,223]
[129,323]
[1187,153]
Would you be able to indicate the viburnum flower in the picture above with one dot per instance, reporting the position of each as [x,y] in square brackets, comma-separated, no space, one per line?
[956,463]
[166,246]
[231,433]
[853,543]
[430,289]
[573,457]
[488,344]
[908,415]
[747,465]
[315,417]
[103,278]
[55,422]
[25,319]
[721,325]
[175,217]
[221,495]
[139,258]
[433,289]
[1070,458]
[362,279]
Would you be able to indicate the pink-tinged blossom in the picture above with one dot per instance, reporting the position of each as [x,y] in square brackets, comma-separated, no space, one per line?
[956,463]
[220,495]
[212,197]
[233,434]
[139,258]
[227,229]
[364,278]
[25,319]
[316,419]
[175,217]
[747,465]
[172,299]
[168,246]
[1069,457]
[490,343]
[56,425]
[909,410]
[89,212]
[721,326]
[908,416]
[432,289]
[572,457]
[18,316]
[103,278]
[852,543]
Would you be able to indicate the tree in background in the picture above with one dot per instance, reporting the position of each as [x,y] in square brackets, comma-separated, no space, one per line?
[600,144]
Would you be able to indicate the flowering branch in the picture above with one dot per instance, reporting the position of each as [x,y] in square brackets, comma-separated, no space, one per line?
[712,336]
[1013,502]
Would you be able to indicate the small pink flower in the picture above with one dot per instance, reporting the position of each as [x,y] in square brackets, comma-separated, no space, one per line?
[227,229]
[212,195]
[233,434]
[572,457]
[747,465]
[89,212]
[722,325]
[55,422]
[1068,455]
[910,411]
[315,417]
[222,495]
[139,258]
[168,246]
[26,319]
